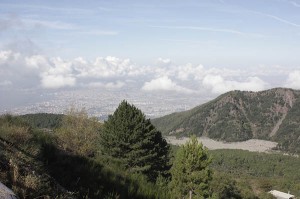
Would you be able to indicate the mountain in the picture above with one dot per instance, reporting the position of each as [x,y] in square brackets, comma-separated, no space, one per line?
[241,115]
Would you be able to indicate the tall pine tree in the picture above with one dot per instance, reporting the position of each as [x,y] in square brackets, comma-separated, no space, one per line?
[131,139]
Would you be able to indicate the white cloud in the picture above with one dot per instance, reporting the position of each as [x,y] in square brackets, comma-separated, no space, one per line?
[293,80]
[111,73]
[165,84]
[107,67]
[187,71]
[110,85]
[56,72]
[8,55]
[59,73]
[56,81]
[53,72]
[4,55]
[37,62]
[218,85]
[163,61]
[80,60]
[60,66]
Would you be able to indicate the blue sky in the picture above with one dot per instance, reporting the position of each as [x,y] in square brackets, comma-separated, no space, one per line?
[192,46]
[212,32]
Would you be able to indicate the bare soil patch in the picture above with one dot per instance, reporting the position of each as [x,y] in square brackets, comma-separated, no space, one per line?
[249,145]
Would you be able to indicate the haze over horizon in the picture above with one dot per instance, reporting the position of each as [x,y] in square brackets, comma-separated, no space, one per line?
[197,49]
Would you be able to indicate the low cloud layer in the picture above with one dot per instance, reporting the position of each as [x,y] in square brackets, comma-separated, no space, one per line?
[293,80]
[41,72]
[217,84]
[164,83]
[110,85]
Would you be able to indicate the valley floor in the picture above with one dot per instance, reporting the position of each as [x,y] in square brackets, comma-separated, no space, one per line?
[249,145]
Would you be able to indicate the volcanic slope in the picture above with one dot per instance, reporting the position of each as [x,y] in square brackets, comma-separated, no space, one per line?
[241,115]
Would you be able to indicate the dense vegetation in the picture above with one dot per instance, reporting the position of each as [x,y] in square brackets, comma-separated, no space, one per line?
[35,164]
[129,138]
[69,162]
[259,172]
[21,166]
[78,133]
[238,116]
[289,133]
[43,120]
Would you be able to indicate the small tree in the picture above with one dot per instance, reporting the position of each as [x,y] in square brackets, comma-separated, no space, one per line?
[79,133]
[190,171]
[131,139]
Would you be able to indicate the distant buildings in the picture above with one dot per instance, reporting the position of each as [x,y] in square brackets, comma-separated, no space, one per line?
[101,103]
[281,195]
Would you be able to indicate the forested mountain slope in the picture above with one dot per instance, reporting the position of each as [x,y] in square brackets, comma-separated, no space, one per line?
[241,115]
[68,162]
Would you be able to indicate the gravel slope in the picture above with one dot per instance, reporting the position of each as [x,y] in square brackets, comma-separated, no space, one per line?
[250,145]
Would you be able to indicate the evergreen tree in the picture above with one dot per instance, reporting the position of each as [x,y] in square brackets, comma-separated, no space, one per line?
[190,171]
[134,142]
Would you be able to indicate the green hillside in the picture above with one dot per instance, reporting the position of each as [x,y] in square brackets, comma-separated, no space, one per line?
[21,163]
[35,163]
[69,163]
[240,115]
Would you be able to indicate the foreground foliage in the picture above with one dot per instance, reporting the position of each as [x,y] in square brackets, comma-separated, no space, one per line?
[21,168]
[34,163]
[78,133]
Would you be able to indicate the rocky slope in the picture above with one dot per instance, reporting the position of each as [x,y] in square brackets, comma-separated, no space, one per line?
[239,115]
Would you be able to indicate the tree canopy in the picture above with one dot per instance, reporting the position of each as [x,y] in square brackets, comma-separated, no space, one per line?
[131,139]
[191,174]
[79,133]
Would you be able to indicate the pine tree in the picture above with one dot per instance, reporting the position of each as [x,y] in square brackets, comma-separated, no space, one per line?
[131,139]
[190,171]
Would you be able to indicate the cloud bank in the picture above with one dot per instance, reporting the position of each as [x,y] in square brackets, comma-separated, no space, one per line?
[217,84]
[293,80]
[42,72]
[164,84]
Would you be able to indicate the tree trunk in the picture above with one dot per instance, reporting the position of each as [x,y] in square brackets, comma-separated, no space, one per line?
[190,194]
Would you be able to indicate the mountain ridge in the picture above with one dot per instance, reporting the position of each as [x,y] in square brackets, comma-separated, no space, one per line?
[272,114]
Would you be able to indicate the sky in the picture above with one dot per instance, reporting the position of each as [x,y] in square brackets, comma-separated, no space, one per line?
[190,47]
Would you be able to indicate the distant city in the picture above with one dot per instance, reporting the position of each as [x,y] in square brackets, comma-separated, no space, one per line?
[101,103]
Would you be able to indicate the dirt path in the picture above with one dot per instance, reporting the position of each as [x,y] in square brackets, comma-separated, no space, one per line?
[250,145]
